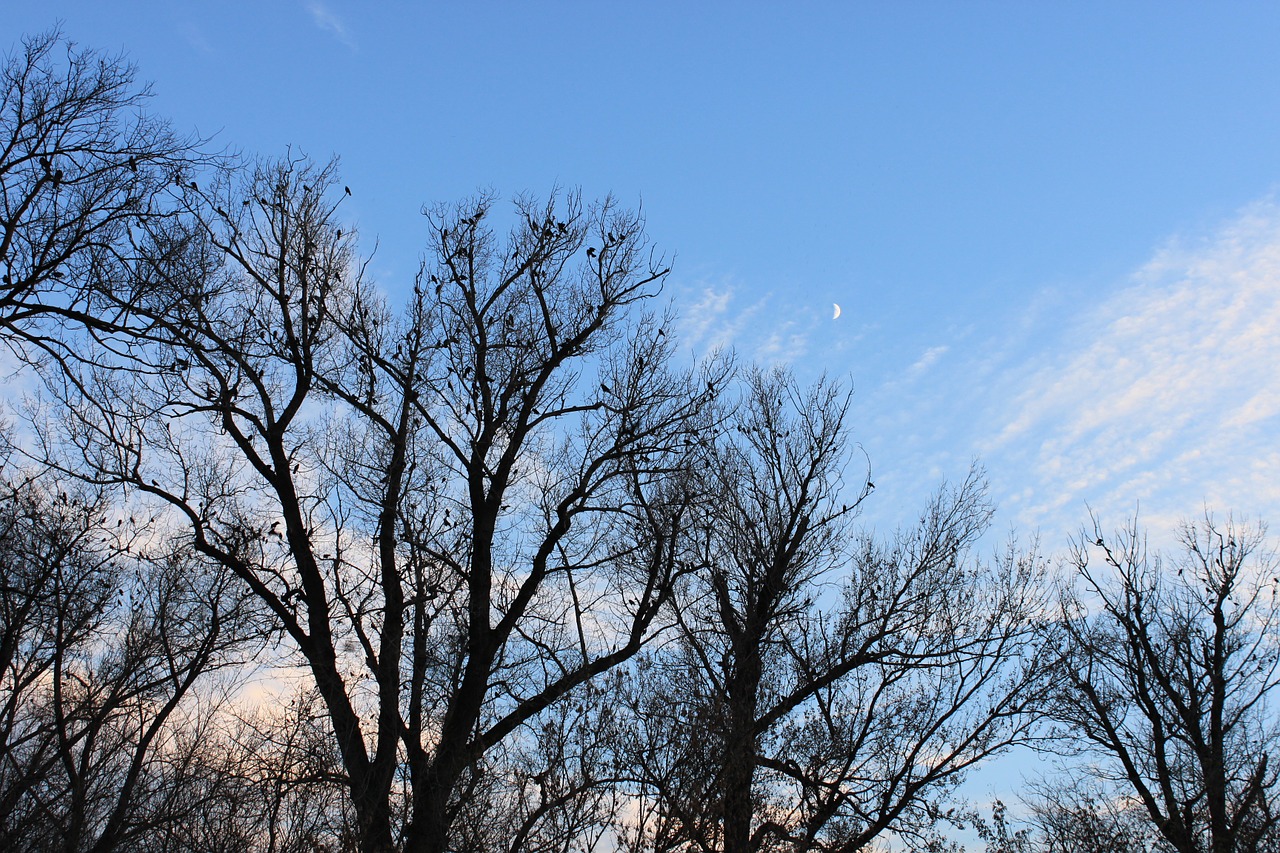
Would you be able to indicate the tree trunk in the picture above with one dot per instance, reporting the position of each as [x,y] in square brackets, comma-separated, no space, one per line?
[738,771]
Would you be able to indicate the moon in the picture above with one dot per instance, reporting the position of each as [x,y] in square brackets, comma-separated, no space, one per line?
[836,315]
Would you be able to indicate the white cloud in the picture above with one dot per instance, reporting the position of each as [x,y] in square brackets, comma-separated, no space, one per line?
[325,18]
[710,319]
[703,323]
[774,328]
[926,359]
[1162,395]
[786,343]
[195,37]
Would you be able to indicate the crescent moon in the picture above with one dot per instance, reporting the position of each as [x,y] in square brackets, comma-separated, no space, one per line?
[836,316]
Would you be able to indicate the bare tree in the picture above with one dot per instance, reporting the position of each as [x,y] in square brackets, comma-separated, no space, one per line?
[265,779]
[456,515]
[1171,667]
[824,691]
[1070,815]
[554,792]
[81,164]
[101,648]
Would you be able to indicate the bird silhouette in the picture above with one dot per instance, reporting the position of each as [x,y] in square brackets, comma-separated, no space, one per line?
[347,190]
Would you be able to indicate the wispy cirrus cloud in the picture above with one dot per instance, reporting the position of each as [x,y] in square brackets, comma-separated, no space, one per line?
[326,19]
[785,343]
[710,317]
[1162,396]
[764,330]
[927,359]
[195,37]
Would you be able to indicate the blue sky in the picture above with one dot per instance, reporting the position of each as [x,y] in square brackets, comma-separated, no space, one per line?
[1052,227]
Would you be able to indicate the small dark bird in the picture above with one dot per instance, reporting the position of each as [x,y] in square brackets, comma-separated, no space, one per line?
[46,164]
[605,388]
[347,189]
[870,485]
[195,186]
[133,163]
[57,177]
[1100,543]
[591,251]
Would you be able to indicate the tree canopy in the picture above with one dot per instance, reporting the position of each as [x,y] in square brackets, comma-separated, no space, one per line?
[514,573]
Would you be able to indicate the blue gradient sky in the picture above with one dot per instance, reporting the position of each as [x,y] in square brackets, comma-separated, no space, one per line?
[1052,228]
